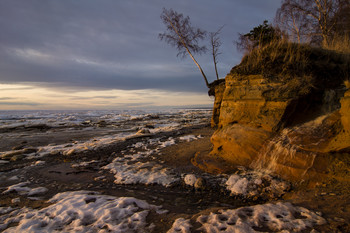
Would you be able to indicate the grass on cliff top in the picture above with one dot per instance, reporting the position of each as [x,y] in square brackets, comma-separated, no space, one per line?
[300,64]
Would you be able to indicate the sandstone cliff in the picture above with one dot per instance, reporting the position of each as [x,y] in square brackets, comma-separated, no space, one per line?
[294,123]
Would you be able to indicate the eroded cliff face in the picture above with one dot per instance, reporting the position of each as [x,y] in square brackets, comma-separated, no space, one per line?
[270,125]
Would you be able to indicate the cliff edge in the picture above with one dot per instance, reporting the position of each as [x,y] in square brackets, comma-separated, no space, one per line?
[285,109]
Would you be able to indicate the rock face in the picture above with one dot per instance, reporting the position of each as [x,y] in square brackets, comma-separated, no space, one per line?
[268,124]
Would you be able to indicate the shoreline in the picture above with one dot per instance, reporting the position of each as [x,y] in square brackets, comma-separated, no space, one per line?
[58,175]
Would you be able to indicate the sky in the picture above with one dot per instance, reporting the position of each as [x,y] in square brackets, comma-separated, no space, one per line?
[106,54]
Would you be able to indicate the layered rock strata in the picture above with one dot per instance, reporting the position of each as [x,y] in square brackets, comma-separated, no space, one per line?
[265,124]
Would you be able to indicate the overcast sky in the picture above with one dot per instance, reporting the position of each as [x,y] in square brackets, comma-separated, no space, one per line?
[105,54]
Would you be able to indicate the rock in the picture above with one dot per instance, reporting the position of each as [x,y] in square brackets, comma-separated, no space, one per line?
[29,150]
[102,123]
[238,144]
[38,126]
[276,125]
[244,102]
[20,147]
[149,126]
[17,157]
[218,92]
[200,184]
[342,140]
[143,131]
[10,154]
[69,152]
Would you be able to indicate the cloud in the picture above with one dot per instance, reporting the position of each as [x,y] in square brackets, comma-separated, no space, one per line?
[19,103]
[82,45]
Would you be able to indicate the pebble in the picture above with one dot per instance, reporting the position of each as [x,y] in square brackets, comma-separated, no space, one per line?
[200,183]
[17,157]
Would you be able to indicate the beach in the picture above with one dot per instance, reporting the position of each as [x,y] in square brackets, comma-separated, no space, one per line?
[136,173]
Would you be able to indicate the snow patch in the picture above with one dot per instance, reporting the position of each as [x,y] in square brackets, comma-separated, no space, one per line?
[188,138]
[254,183]
[82,211]
[141,172]
[181,225]
[274,217]
[22,189]
[169,142]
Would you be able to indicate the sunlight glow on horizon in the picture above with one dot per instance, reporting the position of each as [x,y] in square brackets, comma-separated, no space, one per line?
[29,97]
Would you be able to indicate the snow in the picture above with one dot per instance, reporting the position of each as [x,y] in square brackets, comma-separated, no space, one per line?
[181,225]
[132,169]
[270,217]
[82,211]
[169,142]
[190,179]
[22,189]
[252,183]
[141,172]
[5,210]
[188,138]
[237,185]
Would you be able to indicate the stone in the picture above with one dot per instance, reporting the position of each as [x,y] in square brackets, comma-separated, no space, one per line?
[17,157]
[200,184]
[238,144]
[143,131]
[271,124]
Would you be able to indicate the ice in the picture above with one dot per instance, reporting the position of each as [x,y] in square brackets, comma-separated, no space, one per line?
[280,217]
[84,164]
[3,162]
[13,178]
[22,189]
[188,138]
[38,190]
[141,173]
[82,211]
[129,169]
[169,142]
[181,225]
[5,210]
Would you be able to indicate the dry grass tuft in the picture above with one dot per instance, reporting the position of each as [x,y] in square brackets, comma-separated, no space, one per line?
[284,61]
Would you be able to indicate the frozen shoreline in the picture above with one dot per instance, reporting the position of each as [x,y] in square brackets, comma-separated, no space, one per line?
[151,163]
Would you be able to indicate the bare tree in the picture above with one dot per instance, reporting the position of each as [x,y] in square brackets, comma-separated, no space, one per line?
[182,35]
[314,18]
[215,43]
[293,21]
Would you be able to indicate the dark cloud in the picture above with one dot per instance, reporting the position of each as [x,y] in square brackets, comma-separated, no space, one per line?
[107,44]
